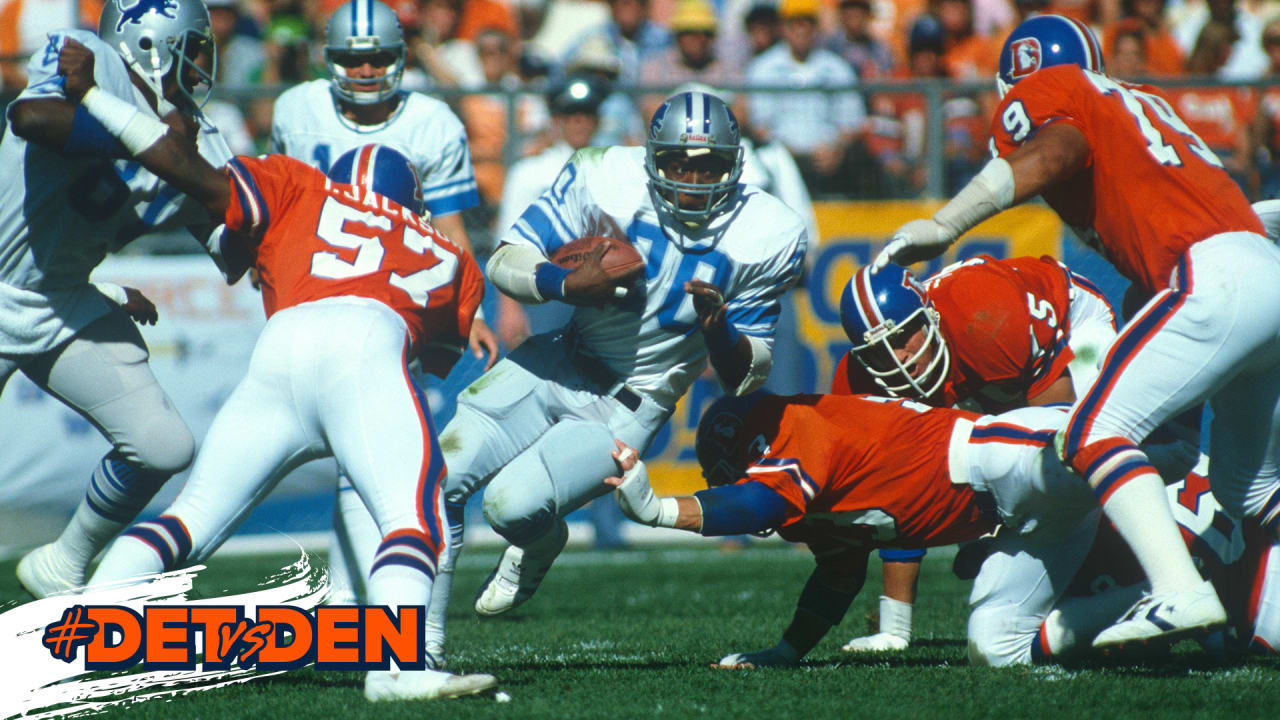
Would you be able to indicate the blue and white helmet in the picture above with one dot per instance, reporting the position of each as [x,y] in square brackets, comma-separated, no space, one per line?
[693,125]
[721,445]
[364,31]
[880,312]
[1044,41]
[382,170]
[159,38]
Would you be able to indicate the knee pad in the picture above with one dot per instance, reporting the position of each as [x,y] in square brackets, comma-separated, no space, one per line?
[162,444]
[1000,636]
[518,510]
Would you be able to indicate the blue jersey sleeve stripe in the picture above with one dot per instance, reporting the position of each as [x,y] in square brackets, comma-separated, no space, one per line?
[429,189]
[250,197]
[454,203]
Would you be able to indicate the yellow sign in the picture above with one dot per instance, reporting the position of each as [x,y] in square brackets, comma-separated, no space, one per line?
[852,233]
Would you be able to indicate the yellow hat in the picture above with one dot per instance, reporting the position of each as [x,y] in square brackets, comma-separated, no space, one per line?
[793,9]
[693,16]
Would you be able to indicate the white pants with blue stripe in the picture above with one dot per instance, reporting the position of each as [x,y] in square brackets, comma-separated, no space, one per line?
[326,378]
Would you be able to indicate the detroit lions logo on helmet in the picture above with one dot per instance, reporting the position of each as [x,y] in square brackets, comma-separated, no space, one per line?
[655,125]
[1027,55]
[136,12]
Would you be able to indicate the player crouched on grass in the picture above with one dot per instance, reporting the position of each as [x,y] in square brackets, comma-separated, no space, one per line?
[851,474]
[311,392]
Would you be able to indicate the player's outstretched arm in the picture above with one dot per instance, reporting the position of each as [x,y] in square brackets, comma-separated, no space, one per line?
[169,153]
[1057,152]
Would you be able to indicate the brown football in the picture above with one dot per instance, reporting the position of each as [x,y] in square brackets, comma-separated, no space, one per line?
[620,259]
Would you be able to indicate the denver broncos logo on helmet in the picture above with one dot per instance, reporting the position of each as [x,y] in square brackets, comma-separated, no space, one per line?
[1027,55]
[138,10]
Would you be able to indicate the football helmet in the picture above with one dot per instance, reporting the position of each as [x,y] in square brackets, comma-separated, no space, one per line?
[358,32]
[159,38]
[880,312]
[382,170]
[693,125]
[1043,41]
[720,444]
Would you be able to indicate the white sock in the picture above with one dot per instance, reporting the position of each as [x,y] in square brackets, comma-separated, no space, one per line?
[117,493]
[1139,509]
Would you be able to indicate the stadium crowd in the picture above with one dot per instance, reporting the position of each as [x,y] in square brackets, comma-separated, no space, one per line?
[846,142]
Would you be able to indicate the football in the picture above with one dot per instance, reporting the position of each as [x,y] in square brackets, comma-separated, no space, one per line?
[620,259]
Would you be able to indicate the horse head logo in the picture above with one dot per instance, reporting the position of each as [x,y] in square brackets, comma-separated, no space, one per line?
[1026,57]
[141,8]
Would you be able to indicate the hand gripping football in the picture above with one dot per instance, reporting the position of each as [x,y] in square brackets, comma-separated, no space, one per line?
[621,257]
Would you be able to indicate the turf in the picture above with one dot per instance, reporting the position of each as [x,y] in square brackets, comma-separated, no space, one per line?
[633,633]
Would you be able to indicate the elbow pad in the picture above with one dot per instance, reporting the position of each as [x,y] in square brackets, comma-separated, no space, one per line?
[512,269]
[758,370]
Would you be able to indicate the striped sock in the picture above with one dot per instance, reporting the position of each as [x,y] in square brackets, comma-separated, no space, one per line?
[118,490]
[403,569]
[167,536]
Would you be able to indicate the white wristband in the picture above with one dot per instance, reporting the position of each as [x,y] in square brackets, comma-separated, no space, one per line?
[668,512]
[987,194]
[895,617]
[136,129]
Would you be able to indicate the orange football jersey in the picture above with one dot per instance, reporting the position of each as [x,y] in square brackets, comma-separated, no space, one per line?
[319,239]
[1150,187]
[1006,323]
[863,471]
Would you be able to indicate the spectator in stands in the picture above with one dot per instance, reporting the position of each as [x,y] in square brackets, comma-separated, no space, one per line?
[967,55]
[24,25]
[1127,51]
[1247,60]
[239,54]
[1221,116]
[869,56]
[620,122]
[480,15]
[692,59]
[1144,19]
[823,128]
[486,116]
[763,27]
[1267,132]
[630,36]
[448,59]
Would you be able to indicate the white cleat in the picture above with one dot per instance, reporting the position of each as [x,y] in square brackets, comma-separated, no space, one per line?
[519,573]
[383,685]
[878,643]
[1168,616]
[45,572]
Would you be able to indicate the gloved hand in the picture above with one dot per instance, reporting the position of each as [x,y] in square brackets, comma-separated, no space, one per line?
[880,642]
[918,240]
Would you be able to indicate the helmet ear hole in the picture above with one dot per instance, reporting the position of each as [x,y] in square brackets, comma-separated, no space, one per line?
[145,43]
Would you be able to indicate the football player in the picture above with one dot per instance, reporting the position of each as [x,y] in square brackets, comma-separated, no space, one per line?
[1122,168]
[995,334]
[906,476]
[362,103]
[538,427]
[72,197]
[1238,557]
[330,254]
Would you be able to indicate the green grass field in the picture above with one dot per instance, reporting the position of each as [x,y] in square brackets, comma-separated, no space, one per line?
[633,633]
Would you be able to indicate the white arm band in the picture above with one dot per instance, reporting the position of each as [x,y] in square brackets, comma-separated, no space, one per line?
[758,372]
[114,292]
[137,130]
[511,269]
[987,194]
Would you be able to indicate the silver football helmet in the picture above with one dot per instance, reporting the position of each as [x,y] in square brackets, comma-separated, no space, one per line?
[364,31]
[159,38]
[697,127]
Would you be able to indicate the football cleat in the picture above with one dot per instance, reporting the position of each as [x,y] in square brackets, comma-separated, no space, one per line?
[1168,616]
[880,642]
[45,572]
[383,685]
[519,573]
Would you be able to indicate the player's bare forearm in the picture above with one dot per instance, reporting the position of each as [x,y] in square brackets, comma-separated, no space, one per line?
[1058,151]
[174,159]
[1061,391]
[45,122]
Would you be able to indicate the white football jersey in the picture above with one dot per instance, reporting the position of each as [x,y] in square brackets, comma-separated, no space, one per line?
[753,252]
[61,214]
[308,126]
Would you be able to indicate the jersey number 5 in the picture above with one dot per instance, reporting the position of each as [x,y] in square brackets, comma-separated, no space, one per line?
[334,217]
